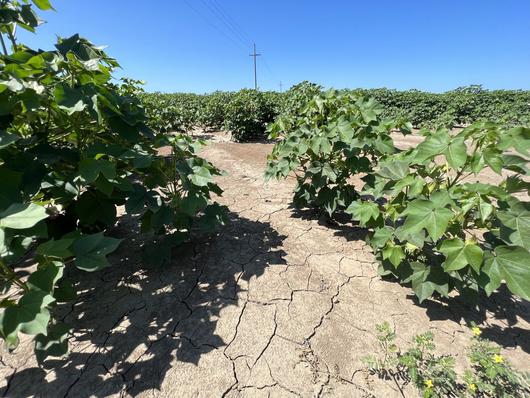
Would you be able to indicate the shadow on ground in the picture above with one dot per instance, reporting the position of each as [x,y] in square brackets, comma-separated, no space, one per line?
[501,306]
[132,322]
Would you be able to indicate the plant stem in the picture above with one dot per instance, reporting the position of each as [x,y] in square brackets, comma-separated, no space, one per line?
[12,38]
[3,44]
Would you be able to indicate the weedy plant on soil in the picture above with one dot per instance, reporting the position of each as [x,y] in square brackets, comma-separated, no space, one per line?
[73,147]
[434,376]
[430,225]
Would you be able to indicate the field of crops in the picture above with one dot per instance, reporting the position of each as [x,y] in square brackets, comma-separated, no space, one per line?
[271,259]
[246,113]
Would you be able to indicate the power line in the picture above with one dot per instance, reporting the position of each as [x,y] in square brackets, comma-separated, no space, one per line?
[223,20]
[200,14]
[231,21]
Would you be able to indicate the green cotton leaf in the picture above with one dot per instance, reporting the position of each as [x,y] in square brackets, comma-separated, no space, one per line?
[484,209]
[44,5]
[91,251]
[515,163]
[46,276]
[7,139]
[422,288]
[22,216]
[320,144]
[433,145]
[363,211]
[394,254]
[13,84]
[431,215]
[515,228]
[214,216]
[381,236]
[90,169]
[54,344]
[460,254]
[426,280]
[64,291]
[201,176]
[327,171]
[493,159]
[69,99]
[456,153]
[56,248]
[517,138]
[394,170]
[511,264]
[193,202]
[345,130]
[29,316]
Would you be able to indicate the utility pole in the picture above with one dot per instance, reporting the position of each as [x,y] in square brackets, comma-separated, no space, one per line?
[255,70]
[281,85]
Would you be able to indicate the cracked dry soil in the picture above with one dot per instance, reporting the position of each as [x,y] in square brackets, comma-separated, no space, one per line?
[275,304]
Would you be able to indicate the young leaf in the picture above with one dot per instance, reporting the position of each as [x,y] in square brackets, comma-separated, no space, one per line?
[393,253]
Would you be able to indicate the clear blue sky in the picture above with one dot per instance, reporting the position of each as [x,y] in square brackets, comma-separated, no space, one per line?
[185,45]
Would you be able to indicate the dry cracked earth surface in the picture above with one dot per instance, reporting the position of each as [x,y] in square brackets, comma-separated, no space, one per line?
[276,304]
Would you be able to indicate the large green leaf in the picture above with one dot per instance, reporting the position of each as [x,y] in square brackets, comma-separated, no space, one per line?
[56,248]
[363,211]
[394,170]
[511,264]
[91,168]
[91,251]
[43,4]
[441,143]
[460,254]
[435,144]
[201,176]
[46,276]
[433,215]
[22,216]
[29,316]
[7,139]
[515,228]
[456,153]
[69,99]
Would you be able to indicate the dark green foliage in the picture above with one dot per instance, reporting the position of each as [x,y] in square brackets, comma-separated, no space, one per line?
[429,224]
[462,106]
[73,147]
[436,228]
[334,137]
[247,115]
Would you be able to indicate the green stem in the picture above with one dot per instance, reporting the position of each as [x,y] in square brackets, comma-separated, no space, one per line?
[10,276]
[3,44]
[12,38]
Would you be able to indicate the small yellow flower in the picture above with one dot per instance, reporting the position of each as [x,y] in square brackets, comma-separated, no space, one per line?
[498,358]
[429,383]
[476,331]
[472,387]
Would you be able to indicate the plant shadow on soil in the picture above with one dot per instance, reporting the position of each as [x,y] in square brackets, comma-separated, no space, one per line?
[133,323]
[501,305]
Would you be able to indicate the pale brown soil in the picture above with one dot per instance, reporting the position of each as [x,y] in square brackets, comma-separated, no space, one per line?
[276,304]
